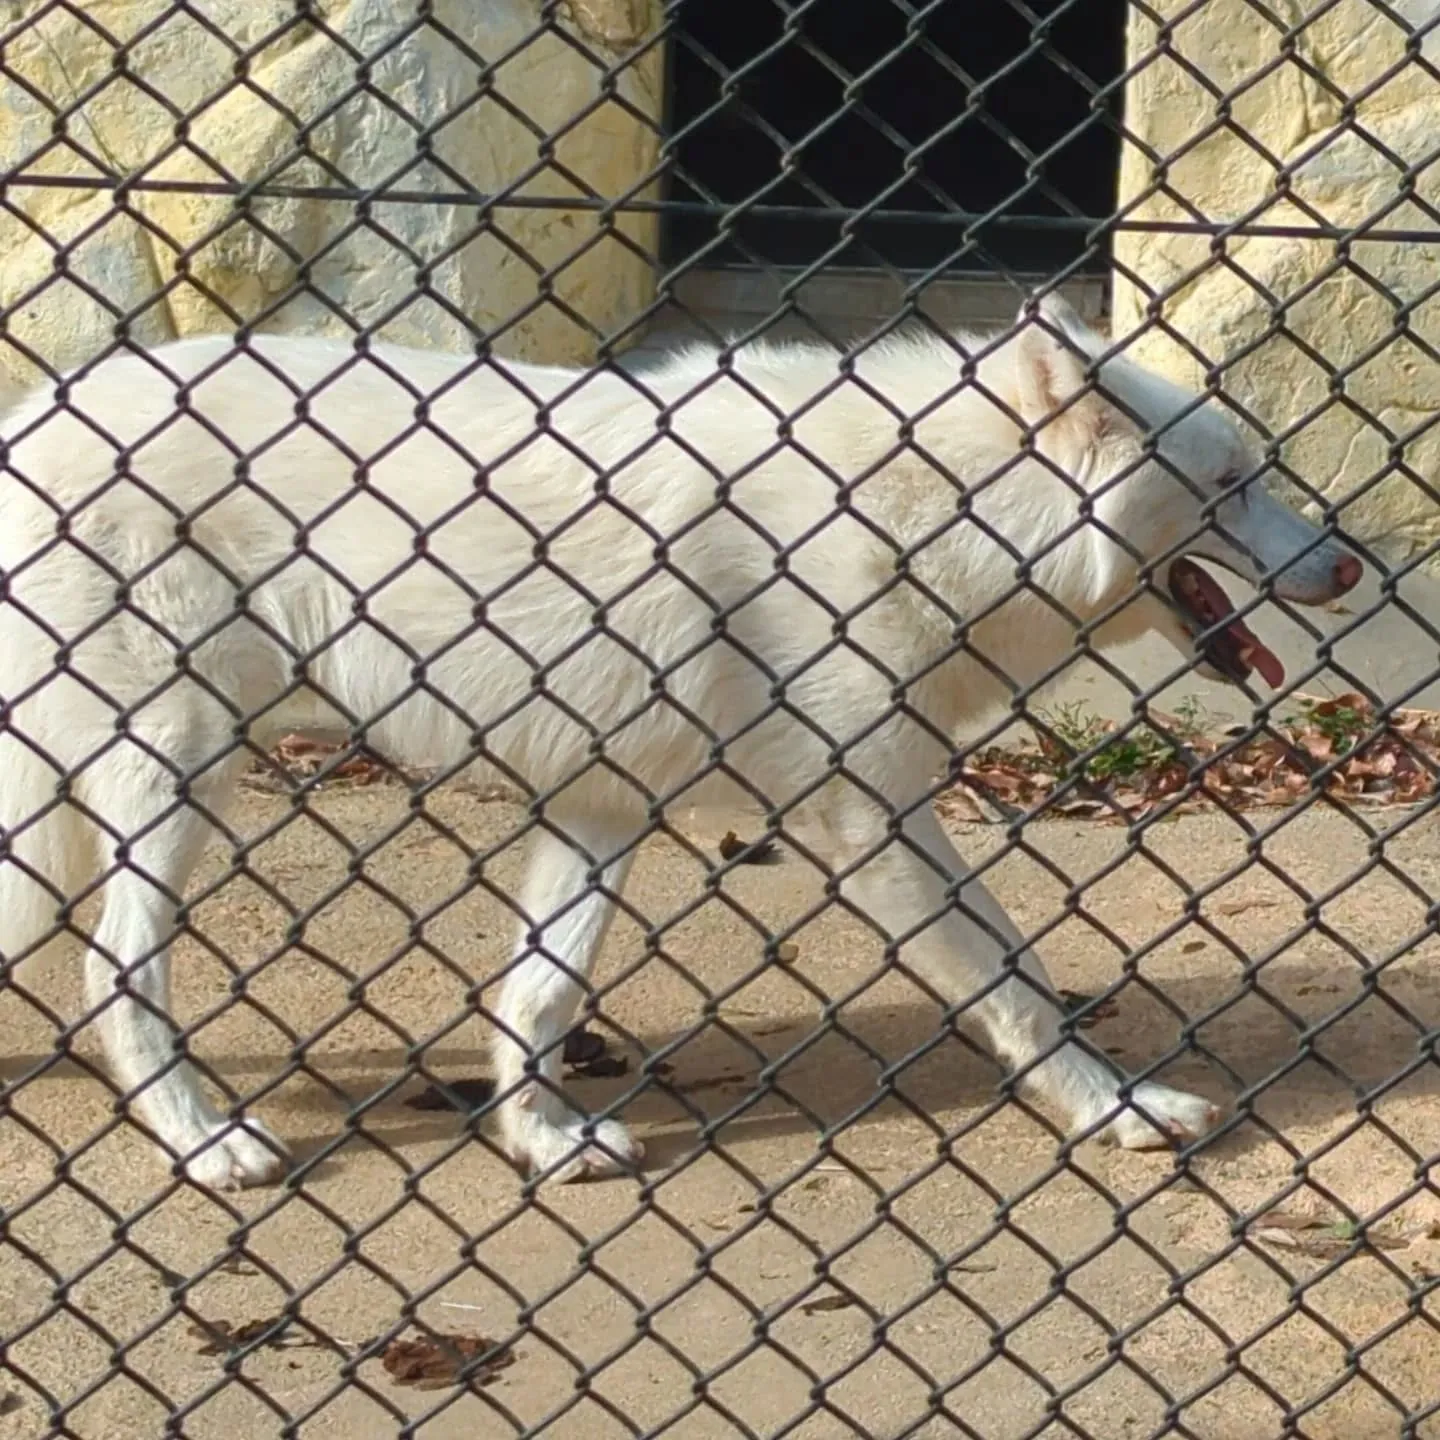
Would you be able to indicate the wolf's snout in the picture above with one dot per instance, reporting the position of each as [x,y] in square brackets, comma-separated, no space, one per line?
[1318,578]
[1299,561]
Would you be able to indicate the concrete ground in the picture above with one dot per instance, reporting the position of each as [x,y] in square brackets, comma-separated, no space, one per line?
[994,1293]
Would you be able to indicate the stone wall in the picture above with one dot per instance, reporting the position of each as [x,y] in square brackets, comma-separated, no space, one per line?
[181,258]
[1334,128]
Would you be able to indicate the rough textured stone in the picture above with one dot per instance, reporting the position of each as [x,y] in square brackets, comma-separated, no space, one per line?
[1351,399]
[434,116]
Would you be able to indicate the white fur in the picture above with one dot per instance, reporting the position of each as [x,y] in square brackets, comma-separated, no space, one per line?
[589,530]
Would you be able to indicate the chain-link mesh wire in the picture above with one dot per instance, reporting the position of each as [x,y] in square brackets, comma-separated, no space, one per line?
[851,1219]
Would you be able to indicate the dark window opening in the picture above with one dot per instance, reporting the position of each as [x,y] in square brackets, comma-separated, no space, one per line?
[1036,91]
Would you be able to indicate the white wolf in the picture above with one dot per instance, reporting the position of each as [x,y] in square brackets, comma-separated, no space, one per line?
[761,580]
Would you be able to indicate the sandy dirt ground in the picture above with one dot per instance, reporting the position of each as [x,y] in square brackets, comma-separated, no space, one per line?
[817,1137]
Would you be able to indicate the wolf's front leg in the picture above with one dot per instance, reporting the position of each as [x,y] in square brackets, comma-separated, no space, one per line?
[910,889]
[162,835]
[567,917]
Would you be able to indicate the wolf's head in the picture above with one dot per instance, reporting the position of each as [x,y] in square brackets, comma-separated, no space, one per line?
[1170,480]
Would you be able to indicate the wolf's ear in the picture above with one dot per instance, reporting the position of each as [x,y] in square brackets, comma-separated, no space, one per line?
[1049,366]
[1063,316]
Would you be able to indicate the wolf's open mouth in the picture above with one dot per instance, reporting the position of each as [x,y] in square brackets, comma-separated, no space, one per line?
[1233,650]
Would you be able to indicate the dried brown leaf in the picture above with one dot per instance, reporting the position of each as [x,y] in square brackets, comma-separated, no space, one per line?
[305,757]
[1317,1245]
[1263,765]
[164,1275]
[361,772]
[748,852]
[960,804]
[1410,788]
[1280,1219]
[1079,809]
[218,1337]
[300,745]
[1239,907]
[604,1067]
[464,1094]
[1323,1238]
[1007,781]
[434,1362]
[712,1082]
[1095,1010]
[826,1303]
[582,1047]
[1348,701]
[1388,1239]
[1169,779]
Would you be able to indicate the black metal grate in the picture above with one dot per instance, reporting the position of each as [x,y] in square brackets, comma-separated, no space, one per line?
[833,1235]
[942,109]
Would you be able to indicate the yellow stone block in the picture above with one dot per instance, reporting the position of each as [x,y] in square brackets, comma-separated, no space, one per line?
[1334,359]
[357,99]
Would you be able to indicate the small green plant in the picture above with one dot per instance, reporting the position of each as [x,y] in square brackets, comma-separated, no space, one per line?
[1189,718]
[1341,724]
[1075,725]
[1137,751]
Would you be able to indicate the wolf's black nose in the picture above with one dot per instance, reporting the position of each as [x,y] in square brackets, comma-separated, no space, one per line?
[1348,571]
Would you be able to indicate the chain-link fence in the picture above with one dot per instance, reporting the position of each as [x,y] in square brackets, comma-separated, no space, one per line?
[459,449]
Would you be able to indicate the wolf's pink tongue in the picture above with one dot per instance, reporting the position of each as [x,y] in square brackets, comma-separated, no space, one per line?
[1236,644]
[1258,656]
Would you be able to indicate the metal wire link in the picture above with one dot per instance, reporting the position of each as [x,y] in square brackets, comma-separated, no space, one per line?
[853,1219]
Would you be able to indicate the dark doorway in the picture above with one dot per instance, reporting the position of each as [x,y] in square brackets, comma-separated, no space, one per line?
[1035,75]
